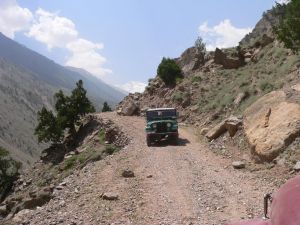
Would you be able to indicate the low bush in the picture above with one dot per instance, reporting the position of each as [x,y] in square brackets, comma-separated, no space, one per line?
[169,71]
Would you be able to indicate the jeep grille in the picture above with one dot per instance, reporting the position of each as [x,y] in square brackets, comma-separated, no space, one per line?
[161,127]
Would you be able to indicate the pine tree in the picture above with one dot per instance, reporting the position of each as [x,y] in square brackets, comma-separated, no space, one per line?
[106,107]
[69,109]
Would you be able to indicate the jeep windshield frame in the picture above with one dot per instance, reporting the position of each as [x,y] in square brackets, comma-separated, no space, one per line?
[161,114]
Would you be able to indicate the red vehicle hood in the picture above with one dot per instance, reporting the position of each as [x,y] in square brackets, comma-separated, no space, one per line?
[285,207]
[251,222]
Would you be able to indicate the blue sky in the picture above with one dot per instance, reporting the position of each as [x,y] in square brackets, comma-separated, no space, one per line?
[123,41]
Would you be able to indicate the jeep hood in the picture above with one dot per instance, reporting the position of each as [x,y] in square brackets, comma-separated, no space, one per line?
[161,121]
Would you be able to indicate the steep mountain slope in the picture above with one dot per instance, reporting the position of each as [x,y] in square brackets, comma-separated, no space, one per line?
[28,81]
[21,96]
[54,74]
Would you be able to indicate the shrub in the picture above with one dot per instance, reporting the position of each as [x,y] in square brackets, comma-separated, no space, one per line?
[177,96]
[265,86]
[106,107]
[9,171]
[200,45]
[70,162]
[110,149]
[101,136]
[288,30]
[169,71]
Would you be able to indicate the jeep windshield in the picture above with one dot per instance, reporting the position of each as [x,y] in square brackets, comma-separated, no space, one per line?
[161,114]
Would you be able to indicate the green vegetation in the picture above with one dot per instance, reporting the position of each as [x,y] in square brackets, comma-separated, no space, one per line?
[110,149]
[265,86]
[200,45]
[177,96]
[271,71]
[69,109]
[9,170]
[106,107]
[288,30]
[169,71]
[101,136]
[195,79]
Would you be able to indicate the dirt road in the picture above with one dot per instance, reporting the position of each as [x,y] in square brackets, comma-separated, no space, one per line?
[184,184]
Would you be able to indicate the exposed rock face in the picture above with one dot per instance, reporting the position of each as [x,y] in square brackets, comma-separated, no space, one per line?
[190,60]
[129,106]
[231,125]
[272,123]
[228,62]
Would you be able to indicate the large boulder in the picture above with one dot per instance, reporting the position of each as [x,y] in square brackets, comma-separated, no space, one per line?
[228,62]
[190,60]
[230,124]
[272,123]
[128,108]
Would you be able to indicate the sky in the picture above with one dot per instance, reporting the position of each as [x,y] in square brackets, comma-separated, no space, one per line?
[123,41]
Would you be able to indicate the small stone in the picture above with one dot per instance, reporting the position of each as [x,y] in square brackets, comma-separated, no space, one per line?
[111,196]
[297,166]
[127,173]
[63,184]
[238,165]
[59,187]
[149,176]
[3,209]
[62,203]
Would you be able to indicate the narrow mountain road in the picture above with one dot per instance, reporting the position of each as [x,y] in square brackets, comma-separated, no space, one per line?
[184,184]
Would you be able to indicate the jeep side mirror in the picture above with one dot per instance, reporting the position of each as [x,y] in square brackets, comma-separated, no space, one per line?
[177,114]
[267,199]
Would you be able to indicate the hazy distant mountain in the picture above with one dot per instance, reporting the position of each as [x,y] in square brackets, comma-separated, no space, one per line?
[110,94]
[28,81]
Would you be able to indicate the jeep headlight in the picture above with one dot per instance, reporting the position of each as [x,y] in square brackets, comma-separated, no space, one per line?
[154,125]
[169,125]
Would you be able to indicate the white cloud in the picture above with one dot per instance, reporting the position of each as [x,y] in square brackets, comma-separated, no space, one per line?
[133,86]
[52,30]
[59,32]
[84,55]
[282,1]
[13,18]
[223,35]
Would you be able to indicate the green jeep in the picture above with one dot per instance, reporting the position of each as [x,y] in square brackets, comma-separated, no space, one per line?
[161,125]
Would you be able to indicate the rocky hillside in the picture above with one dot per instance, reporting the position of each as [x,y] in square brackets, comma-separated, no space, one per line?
[28,81]
[227,82]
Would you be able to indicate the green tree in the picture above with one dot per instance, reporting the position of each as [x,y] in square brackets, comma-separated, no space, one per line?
[48,128]
[106,107]
[9,171]
[288,30]
[200,45]
[169,71]
[69,109]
